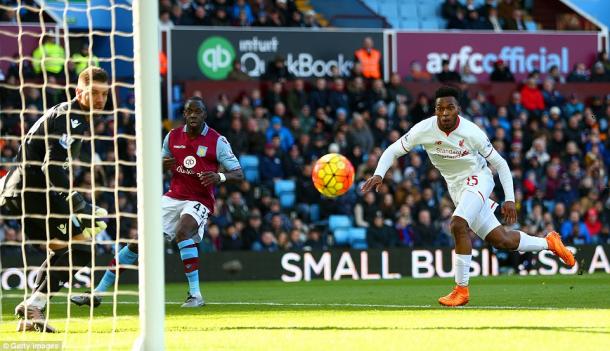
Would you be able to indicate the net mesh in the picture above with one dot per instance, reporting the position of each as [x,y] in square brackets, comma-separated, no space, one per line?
[34,78]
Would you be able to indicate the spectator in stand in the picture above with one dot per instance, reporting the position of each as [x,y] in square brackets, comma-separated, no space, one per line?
[310,20]
[277,70]
[276,129]
[556,75]
[446,75]
[578,74]
[365,209]
[237,73]
[231,240]
[379,235]
[239,7]
[271,167]
[220,17]
[370,59]
[338,98]
[253,230]
[593,224]
[359,134]
[531,96]
[201,17]
[501,73]
[418,73]
[475,22]
[450,9]
[458,21]
[573,106]
[493,22]
[165,20]
[425,231]
[599,73]
[467,76]
[397,93]
[422,109]
[538,152]
[314,241]
[506,9]
[515,22]
[266,243]
[486,8]
[297,97]
[603,58]
[574,231]
[275,19]
[262,20]
[552,97]
[319,97]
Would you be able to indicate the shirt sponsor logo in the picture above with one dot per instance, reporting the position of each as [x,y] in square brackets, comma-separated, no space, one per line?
[179,147]
[189,162]
[451,154]
[202,150]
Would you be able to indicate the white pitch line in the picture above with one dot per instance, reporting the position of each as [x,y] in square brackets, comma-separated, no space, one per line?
[394,306]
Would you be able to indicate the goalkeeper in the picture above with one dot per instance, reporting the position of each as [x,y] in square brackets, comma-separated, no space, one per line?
[39,187]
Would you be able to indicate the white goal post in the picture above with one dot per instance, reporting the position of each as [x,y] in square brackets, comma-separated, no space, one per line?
[148,138]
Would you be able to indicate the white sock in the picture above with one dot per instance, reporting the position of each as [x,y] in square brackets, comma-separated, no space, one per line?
[38,300]
[462,269]
[531,243]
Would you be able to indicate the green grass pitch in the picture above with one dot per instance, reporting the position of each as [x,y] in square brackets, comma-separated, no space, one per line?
[505,313]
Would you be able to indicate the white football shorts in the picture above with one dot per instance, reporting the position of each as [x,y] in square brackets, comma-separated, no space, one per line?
[171,211]
[471,198]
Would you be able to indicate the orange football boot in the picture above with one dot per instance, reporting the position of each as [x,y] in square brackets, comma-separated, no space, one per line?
[554,241]
[458,297]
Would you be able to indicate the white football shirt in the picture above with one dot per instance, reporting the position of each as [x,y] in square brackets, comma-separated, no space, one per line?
[458,154]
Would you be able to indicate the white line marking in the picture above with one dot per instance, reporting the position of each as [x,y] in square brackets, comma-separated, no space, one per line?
[362,305]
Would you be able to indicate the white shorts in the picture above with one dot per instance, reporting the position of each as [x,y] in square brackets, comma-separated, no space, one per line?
[472,202]
[172,210]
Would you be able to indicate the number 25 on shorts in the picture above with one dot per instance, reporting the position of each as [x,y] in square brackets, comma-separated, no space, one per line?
[472,180]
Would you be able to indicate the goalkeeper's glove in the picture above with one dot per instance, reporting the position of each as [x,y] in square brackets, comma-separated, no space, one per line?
[83,212]
[90,227]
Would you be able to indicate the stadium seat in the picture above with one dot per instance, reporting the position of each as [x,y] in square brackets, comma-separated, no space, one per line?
[428,11]
[341,236]
[429,24]
[314,212]
[356,234]
[531,26]
[408,10]
[249,164]
[339,221]
[285,190]
[360,245]
[409,24]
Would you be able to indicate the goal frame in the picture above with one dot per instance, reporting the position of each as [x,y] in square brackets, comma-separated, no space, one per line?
[148,139]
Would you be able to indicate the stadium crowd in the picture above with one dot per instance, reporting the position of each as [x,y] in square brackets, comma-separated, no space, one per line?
[239,13]
[557,146]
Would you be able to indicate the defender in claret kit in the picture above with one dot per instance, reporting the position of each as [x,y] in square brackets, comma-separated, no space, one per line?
[194,153]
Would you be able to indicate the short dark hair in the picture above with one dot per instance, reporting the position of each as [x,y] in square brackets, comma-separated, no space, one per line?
[96,74]
[199,99]
[447,91]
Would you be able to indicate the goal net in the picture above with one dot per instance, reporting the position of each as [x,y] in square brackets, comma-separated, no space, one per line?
[44,46]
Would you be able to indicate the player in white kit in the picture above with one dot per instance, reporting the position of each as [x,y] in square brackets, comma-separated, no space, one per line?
[460,150]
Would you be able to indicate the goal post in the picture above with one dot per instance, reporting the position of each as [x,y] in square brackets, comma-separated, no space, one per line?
[148,139]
